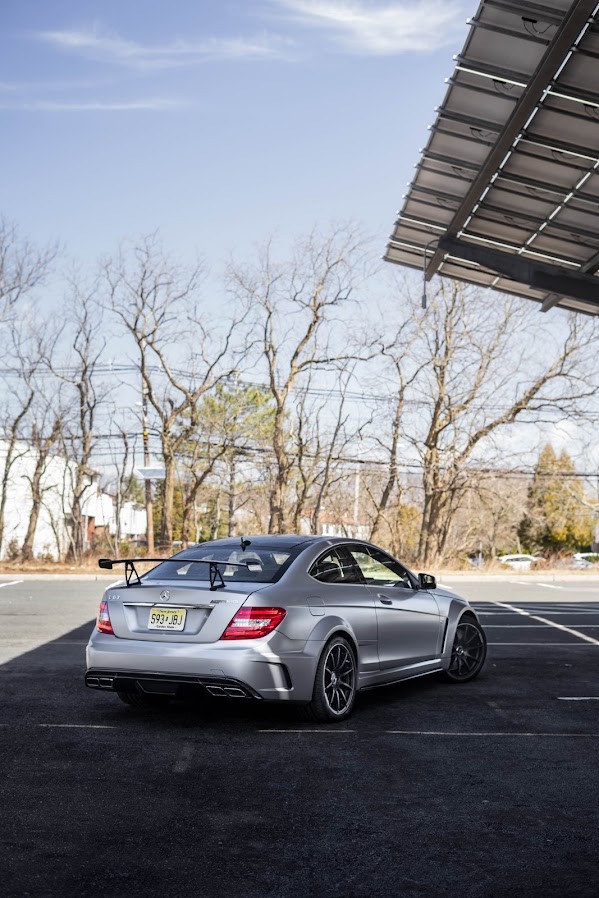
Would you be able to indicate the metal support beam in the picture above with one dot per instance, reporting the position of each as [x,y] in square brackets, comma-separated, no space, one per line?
[538,275]
[550,301]
[564,38]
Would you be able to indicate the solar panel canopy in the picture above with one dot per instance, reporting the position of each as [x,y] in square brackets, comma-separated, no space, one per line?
[506,193]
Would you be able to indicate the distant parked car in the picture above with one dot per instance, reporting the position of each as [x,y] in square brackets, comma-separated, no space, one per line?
[584,559]
[518,562]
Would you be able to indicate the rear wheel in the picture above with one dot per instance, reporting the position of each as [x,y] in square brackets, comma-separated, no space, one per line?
[144,700]
[335,683]
[468,653]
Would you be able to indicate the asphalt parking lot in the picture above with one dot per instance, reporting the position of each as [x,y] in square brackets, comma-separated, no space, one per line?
[485,789]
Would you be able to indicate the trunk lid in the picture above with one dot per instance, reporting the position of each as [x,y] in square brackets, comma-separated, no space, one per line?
[147,612]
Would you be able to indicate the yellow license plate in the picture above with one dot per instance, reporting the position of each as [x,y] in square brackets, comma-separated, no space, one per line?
[166,618]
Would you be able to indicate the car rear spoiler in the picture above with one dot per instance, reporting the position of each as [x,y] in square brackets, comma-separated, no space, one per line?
[216,577]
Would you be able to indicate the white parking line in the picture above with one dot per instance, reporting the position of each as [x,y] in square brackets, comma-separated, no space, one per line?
[534,626]
[578,698]
[545,611]
[10,583]
[182,763]
[549,623]
[76,726]
[460,734]
[534,583]
[307,731]
[512,735]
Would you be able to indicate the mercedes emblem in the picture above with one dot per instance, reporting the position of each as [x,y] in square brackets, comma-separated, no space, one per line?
[165,595]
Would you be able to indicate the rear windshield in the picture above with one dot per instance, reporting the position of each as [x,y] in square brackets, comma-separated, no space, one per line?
[269,564]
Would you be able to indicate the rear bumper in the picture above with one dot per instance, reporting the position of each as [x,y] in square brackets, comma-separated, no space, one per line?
[232,671]
[174,685]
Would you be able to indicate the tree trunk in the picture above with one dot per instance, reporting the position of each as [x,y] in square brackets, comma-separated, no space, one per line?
[169,501]
[36,499]
[232,494]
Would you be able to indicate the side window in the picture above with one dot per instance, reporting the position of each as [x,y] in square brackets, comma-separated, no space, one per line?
[336,567]
[379,569]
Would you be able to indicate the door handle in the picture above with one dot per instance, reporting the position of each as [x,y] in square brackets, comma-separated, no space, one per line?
[385,600]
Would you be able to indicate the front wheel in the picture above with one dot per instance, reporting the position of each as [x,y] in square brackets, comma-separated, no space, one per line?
[335,683]
[468,653]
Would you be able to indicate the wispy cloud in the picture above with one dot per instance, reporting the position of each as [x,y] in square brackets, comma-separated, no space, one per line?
[381,29]
[155,105]
[113,49]
[47,86]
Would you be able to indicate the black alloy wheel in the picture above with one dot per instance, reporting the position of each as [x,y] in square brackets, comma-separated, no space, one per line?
[468,653]
[335,682]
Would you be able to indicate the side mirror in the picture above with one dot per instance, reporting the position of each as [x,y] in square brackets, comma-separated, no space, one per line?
[254,566]
[427,581]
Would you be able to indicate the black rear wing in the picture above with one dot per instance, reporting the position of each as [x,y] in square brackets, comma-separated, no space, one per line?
[216,577]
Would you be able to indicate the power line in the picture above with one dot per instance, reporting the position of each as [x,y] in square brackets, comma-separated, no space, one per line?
[317,392]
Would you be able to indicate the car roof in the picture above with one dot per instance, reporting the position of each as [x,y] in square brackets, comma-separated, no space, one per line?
[268,541]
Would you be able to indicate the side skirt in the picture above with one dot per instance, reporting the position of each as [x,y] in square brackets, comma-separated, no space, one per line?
[401,679]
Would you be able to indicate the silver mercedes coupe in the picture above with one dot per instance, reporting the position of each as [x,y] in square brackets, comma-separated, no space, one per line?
[304,619]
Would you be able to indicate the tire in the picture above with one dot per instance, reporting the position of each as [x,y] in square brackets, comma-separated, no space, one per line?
[334,684]
[143,700]
[468,652]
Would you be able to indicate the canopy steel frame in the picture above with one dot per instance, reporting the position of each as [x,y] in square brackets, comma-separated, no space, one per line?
[538,275]
[565,37]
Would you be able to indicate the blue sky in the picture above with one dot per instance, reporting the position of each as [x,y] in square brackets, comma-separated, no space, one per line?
[221,122]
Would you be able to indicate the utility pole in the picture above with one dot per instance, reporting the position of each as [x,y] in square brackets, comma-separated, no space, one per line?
[147,481]
[356,502]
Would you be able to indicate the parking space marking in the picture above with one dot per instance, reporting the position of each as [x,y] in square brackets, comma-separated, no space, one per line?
[76,726]
[183,762]
[549,623]
[491,734]
[578,698]
[534,626]
[304,730]
[10,583]
[534,583]
[545,611]
[460,733]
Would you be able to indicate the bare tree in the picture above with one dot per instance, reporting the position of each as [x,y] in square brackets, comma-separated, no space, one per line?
[83,330]
[324,434]
[482,368]
[402,369]
[120,479]
[42,442]
[23,266]
[24,349]
[299,307]
[180,355]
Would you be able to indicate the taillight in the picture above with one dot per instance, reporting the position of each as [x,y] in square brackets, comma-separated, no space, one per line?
[103,623]
[249,623]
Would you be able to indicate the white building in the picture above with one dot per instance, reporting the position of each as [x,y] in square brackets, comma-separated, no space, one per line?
[51,538]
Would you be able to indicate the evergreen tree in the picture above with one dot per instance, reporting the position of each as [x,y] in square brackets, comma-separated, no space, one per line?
[556,519]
